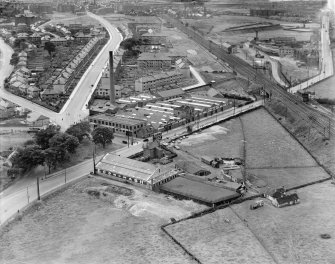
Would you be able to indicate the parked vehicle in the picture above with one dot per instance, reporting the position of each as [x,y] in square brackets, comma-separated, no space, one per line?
[256,204]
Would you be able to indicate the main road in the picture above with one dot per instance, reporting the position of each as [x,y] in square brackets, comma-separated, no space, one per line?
[75,108]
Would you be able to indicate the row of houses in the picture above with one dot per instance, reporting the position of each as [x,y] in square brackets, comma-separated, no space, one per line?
[59,84]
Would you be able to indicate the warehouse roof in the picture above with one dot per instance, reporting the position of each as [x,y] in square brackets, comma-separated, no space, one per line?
[127,167]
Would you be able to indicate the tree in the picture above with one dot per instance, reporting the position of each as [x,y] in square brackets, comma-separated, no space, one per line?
[50,47]
[43,136]
[28,157]
[129,44]
[103,135]
[80,130]
[64,141]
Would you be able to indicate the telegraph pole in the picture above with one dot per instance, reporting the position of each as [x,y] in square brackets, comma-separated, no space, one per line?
[65,175]
[38,188]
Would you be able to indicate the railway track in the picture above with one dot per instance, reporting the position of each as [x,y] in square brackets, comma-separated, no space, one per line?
[324,123]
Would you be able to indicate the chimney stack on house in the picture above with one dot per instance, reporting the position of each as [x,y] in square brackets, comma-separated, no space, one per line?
[111,78]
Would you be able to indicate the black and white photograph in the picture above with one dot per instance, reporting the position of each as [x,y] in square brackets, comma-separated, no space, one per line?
[167,132]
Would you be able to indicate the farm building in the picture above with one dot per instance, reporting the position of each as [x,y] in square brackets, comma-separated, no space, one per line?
[133,171]
[192,168]
[200,192]
[280,198]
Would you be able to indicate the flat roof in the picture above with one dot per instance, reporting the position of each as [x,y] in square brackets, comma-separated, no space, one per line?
[126,120]
[127,167]
[198,190]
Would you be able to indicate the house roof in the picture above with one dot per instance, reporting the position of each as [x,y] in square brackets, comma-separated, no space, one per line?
[287,198]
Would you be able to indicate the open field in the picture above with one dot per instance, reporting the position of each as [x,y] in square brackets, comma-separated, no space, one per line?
[223,140]
[292,234]
[269,145]
[13,140]
[72,226]
[220,237]
[69,18]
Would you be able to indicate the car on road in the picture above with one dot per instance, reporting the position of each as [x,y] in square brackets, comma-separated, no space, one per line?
[177,147]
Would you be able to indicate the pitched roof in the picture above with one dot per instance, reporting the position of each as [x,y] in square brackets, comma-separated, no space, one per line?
[190,167]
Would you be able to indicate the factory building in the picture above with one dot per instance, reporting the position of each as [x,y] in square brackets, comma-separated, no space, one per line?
[132,171]
[156,61]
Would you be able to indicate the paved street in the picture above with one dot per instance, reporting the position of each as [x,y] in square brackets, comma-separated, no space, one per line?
[74,110]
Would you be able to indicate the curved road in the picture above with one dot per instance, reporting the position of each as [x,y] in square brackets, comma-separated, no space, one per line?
[74,110]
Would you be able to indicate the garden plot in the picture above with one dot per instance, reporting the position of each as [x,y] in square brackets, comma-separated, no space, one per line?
[73,226]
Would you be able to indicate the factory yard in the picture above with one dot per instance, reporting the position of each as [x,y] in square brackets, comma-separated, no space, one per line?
[73,226]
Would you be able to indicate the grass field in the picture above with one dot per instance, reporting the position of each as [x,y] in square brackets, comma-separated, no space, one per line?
[269,145]
[75,227]
[220,237]
[223,140]
[292,234]
[13,140]
[69,18]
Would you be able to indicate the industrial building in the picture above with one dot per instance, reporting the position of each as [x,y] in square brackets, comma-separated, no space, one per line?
[158,80]
[120,123]
[156,61]
[132,171]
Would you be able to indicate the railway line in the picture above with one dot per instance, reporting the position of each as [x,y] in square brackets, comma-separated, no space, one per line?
[324,123]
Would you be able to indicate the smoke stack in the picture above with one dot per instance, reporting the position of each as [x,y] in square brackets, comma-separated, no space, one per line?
[111,78]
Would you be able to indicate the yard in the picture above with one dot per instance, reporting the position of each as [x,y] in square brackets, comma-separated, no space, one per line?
[73,226]
[292,234]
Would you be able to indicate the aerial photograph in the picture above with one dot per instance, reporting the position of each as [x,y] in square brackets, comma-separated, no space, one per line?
[167,132]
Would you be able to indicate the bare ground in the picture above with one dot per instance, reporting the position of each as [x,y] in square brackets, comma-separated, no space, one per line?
[72,226]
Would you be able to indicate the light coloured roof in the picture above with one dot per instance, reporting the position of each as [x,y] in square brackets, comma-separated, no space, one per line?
[127,167]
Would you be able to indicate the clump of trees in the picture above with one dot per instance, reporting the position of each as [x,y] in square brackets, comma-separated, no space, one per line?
[50,146]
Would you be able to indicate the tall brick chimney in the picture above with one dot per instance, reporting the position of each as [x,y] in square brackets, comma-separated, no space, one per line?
[111,78]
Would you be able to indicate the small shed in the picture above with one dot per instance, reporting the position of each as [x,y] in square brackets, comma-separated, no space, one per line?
[192,168]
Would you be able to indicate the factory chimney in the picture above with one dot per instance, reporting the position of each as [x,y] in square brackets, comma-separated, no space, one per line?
[111,78]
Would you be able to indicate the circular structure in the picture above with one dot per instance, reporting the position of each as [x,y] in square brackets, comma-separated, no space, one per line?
[325,236]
